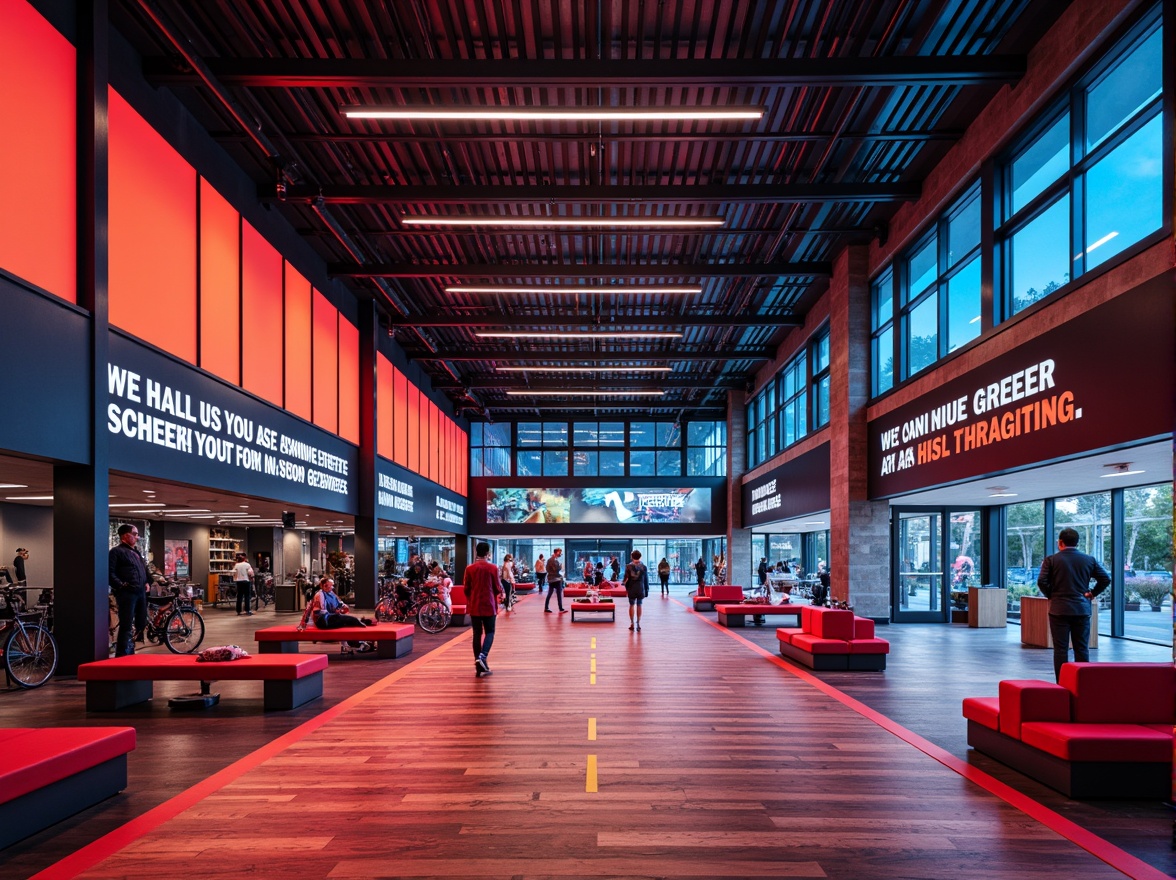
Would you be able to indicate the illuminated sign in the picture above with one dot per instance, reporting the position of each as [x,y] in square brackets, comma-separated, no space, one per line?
[569,506]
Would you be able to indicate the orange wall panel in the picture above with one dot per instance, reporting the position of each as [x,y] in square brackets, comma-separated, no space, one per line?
[400,388]
[414,428]
[464,485]
[384,396]
[434,442]
[152,229]
[220,285]
[298,344]
[326,364]
[261,317]
[38,151]
[349,381]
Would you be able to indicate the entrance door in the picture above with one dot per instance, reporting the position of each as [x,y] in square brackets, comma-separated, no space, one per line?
[919,586]
[576,553]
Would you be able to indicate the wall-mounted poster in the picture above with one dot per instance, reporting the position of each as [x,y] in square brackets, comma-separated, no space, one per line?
[598,506]
[177,559]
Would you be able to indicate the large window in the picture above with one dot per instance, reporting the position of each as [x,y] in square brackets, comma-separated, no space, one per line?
[706,449]
[792,405]
[1147,566]
[542,449]
[490,450]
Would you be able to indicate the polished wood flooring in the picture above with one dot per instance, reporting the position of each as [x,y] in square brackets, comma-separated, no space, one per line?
[682,751]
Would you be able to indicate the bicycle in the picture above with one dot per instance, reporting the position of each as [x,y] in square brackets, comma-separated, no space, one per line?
[30,651]
[263,591]
[175,622]
[401,603]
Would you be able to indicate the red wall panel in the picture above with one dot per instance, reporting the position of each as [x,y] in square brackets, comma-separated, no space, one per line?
[434,442]
[326,364]
[414,428]
[349,380]
[38,151]
[152,230]
[220,285]
[261,316]
[384,396]
[400,388]
[298,344]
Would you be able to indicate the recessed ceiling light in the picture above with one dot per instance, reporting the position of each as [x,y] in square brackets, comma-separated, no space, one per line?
[554,114]
[184,511]
[148,491]
[583,369]
[29,498]
[1003,495]
[140,504]
[599,334]
[13,486]
[572,288]
[584,392]
[1123,469]
[568,222]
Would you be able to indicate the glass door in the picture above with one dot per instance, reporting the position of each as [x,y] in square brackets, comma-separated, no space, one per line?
[919,586]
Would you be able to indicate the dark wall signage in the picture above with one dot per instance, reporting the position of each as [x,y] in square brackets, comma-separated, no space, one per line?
[795,488]
[405,497]
[661,506]
[1102,379]
[170,421]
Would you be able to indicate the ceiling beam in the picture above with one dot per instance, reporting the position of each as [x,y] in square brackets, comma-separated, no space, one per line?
[815,269]
[599,322]
[515,355]
[546,194]
[504,382]
[423,73]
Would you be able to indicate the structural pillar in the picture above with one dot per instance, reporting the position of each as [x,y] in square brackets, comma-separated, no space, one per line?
[740,566]
[859,536]
[367,524]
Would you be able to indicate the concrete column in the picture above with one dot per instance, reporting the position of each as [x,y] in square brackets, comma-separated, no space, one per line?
[740,567]
[859,529]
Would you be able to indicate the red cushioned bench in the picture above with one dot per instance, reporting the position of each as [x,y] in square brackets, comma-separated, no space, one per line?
[596,609]
[391,639]
[608,589]
[1104,731]
[48,774]
[458,602]
[290,679]
[736,615]
[707,596]
[833,638]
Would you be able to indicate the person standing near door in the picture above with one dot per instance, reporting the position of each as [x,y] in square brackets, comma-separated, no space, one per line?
[128,582]
[243,576]
[700,569]
[1065,580]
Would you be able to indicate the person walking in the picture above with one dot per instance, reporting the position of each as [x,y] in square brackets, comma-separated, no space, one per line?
[762,571]
[663,575]
[555,582]
[506,574]
[540,574]
[1065,580]
[243,577]
[483,587]
[615,566]
[128,582]
[636,587]
[700,570]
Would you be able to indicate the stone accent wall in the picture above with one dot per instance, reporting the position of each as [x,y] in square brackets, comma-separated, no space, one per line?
[739,562]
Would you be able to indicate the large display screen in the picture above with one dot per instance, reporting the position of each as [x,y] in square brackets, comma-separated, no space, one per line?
[598,506]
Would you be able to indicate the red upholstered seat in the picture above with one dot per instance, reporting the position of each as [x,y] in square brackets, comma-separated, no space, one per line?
[1120,743]
[983,710]
[378,632]
[863,628]
[814,644]
[184,667]
[785,633]
[1024,700]
[1162,728]
[832,623]
[725,593]
[868,646]
[1138,693]
[35,758]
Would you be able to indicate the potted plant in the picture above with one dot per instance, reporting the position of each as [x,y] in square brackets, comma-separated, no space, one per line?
[1153,591]
[1132,603]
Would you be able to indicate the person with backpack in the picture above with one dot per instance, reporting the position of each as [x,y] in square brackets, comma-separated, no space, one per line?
[555,581]
[663,575]
[636,587]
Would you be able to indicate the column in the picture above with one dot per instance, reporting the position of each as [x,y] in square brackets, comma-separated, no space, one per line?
[367,525]
[740,566]
[859,529]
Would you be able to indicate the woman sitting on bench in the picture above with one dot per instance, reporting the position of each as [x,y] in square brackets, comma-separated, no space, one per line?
[328,611]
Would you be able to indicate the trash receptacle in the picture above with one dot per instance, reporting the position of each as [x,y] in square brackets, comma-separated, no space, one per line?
[286,597]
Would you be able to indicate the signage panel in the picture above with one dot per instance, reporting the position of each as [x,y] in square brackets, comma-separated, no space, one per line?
[795,488]
[171,421]
[606,505]
[405,497]
[1100,380]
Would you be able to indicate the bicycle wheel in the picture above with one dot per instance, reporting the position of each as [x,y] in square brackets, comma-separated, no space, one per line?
[184,631]
[30,656]
[433,616]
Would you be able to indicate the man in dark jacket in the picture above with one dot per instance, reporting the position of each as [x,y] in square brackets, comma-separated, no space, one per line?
[1065,580]
[555,580]
[128,582]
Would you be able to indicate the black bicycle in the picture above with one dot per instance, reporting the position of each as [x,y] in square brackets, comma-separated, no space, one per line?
[30,651]
[174,621]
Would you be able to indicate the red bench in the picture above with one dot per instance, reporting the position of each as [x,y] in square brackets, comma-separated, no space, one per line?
[48,774]
[736,615]
[832,638]
[1105,731]
[290,679]
[708,596]
[608,589]
[597,609]
[391,639]
[458,602]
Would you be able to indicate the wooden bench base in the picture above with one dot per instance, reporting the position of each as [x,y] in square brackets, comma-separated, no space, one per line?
[391,639]
[596,609]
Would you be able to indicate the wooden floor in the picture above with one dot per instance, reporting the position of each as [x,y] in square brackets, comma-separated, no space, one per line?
[682,751]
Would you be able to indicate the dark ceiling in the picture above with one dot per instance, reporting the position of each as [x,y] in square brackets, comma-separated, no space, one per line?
[860,98]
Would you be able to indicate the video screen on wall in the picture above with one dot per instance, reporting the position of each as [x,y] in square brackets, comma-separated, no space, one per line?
[598,506]
[177,559]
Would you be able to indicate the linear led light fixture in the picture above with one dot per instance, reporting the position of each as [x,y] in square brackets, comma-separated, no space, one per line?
[599,334]
[583,369]
[553,114]
[568,222]
[584,392]
[570,288]
[29,498]
[140,504]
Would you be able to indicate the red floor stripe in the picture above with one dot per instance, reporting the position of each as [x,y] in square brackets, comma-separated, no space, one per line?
[105,846]
[1117,858]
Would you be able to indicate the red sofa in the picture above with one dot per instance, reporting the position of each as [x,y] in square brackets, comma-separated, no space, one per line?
[831,638]
[1105,731]
[708,596]
[608,589]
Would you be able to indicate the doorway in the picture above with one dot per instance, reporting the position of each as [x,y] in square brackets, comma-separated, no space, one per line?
[936,554]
